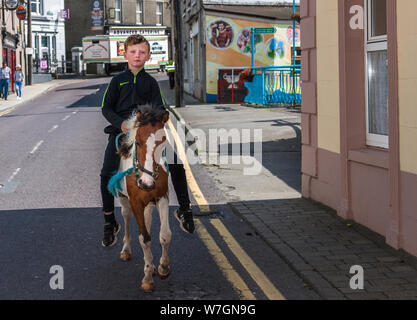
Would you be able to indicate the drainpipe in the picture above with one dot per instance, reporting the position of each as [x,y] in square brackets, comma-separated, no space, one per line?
[294,52]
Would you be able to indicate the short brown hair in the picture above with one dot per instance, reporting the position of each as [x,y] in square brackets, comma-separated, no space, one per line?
[136,39]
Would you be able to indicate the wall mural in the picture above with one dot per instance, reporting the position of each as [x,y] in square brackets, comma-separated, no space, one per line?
[220,33]
[244,41]
[229,45]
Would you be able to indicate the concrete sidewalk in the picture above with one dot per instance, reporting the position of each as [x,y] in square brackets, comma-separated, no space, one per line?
[31,92]
[320,246]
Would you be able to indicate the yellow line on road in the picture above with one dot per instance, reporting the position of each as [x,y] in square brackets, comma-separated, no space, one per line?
[231,275]
[260,278]
[7,111]
[192,183]
[254,271]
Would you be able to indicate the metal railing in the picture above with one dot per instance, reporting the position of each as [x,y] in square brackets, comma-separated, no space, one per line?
[275,85]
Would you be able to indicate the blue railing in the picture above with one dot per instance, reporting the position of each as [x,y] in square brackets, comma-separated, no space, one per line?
[275,85]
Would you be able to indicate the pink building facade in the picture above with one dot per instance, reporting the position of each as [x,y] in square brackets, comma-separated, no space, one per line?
[359,120]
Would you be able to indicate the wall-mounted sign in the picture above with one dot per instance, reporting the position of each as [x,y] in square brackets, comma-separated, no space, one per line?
[65,14]
[112,13]
[97,15]
[44,64]
[21,12]
[12,4]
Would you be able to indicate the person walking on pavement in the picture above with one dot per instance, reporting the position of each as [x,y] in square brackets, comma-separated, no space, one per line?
[18,80]
[127,91]
[4,80]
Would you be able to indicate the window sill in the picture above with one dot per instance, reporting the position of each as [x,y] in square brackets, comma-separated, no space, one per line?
[373,157]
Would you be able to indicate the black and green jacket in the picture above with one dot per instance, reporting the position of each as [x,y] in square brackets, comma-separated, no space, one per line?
[125,92]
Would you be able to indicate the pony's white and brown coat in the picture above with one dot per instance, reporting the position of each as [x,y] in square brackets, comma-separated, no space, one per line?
[139,202]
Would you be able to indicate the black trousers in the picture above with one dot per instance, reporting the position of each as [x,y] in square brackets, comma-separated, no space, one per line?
[111,165]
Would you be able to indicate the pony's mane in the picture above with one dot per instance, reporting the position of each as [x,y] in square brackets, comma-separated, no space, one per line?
[148,115]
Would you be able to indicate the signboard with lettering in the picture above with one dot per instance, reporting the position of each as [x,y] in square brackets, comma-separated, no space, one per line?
[97,15]
[65,14]
[264,30]
[96,49]
[44,64]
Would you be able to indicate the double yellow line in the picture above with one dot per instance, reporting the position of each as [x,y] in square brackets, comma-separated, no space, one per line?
[225,266]
[7,111]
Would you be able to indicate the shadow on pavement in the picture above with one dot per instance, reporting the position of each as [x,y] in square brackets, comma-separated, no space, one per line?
[92,100]
[37,239]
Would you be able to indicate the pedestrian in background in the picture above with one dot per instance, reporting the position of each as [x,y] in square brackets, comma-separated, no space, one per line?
[18,80]
[4,80]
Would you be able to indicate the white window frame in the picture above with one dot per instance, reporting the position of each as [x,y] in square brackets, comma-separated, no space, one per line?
[139,11]
[118,10]
[38,4]
[372,44]
[159,13]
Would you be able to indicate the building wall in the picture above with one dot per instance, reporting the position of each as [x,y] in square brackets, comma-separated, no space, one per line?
[50,25]
[328,75]
[12,39]
[79,25]
[320,102]
[407,78]
[407,69]
[149,12]
[373,186]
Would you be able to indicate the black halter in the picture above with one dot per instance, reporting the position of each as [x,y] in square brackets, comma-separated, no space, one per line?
[139,168]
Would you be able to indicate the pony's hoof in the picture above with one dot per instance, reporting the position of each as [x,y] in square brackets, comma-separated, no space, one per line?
[147,286]
[163,273]
[125,256]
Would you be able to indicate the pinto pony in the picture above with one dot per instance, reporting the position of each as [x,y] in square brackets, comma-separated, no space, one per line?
[142,183]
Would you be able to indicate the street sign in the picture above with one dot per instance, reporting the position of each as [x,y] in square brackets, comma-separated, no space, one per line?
[44,64]
[21,12]
[264,30]
[65,14]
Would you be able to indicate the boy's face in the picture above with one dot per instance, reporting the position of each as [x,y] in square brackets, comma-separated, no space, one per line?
[137,55]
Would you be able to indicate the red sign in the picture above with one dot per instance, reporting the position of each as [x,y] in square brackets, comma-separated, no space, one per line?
[21,12]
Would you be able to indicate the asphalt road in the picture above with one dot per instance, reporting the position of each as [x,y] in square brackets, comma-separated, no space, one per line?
[50,214]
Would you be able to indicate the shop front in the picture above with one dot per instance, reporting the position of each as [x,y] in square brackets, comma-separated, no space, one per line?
[10,43]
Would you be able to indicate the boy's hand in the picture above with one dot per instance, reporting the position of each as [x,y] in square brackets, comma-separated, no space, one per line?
[124,130]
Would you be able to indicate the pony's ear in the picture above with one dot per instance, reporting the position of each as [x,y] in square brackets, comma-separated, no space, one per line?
[165,117]
[138,115]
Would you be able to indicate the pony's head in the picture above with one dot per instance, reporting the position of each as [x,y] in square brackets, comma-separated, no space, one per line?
[147,136]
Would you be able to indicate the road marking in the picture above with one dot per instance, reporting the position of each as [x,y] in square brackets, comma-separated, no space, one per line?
[194,188]
[227,269]
[14,174]
[66,118]
[7,111]
[53,128]
[260,278]
[36,147]
[254,271]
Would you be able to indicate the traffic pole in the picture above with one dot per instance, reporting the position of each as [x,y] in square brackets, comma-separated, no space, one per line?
[179,86]
[29,44]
